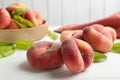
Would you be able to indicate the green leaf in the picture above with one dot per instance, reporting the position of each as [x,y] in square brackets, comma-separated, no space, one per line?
[21,21]
[19,11]
[52,35]
[99,57]
[5,43]
[23,44]
[5,48]
[6,51]
[20,24]
[9,53]
[1,56]
[116,48]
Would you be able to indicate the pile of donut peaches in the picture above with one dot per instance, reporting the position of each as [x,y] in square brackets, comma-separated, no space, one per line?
[7,20]
[75,49]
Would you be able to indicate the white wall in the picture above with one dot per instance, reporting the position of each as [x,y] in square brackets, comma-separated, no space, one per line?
[62,12]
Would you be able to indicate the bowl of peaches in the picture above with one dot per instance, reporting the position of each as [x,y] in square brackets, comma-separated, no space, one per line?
[18,22]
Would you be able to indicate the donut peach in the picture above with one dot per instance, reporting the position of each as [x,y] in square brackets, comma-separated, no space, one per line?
[13,25]
[4,18]
[70,34]
[4,11]
[99,37]
[77,54]
[34,16]
[113,33]
[45,55]
[14,6]
[4,21]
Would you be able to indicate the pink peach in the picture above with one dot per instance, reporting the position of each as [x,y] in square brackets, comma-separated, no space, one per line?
[5,12]
[70,34]
[34,16]
[77,54]
[99,37]
[14,6]
[45,55]
[4,21]
[13,25]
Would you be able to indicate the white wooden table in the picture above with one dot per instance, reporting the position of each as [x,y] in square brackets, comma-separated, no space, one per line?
[16,67]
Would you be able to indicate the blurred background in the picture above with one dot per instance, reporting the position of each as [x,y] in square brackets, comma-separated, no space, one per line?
[62,12]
